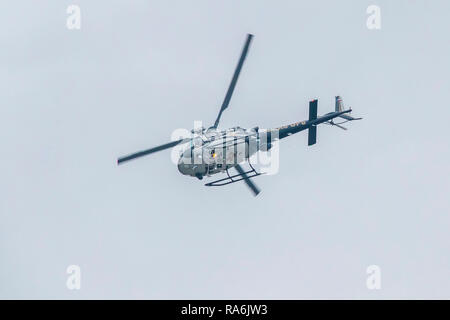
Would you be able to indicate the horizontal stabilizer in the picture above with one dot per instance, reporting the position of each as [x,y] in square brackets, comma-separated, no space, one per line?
[349,118]
[312,133]
[313,110]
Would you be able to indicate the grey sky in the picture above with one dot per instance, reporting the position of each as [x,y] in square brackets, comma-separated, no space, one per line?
[72,101]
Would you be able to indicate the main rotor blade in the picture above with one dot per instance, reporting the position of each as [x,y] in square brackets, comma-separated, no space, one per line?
[247,180]
[227,99]
[149,151]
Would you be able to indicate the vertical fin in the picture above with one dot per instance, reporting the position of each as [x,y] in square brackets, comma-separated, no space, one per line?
[339,106]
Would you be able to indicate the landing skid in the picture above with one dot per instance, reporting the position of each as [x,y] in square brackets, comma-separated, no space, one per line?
[235,178]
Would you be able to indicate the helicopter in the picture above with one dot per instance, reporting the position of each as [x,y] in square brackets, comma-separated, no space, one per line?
[210,151]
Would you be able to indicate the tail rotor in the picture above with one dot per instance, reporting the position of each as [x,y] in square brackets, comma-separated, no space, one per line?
[339,107]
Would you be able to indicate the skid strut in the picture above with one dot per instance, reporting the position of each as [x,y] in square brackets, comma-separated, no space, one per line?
[235,178]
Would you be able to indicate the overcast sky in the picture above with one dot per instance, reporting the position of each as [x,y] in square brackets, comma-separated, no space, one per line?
[72,101]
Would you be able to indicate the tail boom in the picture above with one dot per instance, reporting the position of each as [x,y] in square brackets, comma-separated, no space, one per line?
[313,121]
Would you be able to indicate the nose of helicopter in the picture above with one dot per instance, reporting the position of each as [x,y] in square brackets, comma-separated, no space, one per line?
[194,170]
[185,169]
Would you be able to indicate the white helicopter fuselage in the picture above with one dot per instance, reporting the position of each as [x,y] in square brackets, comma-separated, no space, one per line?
[209,154]
[210,151]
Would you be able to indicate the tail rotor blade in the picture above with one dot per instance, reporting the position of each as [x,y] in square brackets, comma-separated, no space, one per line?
[339,126]
[248,181]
